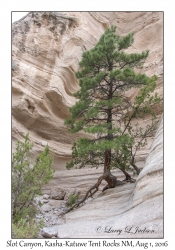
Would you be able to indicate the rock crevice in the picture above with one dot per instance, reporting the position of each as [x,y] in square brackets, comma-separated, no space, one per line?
[46,50]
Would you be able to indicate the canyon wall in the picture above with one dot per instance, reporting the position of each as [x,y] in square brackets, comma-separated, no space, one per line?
[46,50]
[134,210]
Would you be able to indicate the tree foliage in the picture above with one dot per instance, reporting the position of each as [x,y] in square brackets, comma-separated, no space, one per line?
[28,178]
[104,109]
[25,228]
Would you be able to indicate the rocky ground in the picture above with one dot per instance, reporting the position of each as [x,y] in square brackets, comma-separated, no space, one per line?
[138,206]
[50,212]
[52,208]
[53,204]
[46,50]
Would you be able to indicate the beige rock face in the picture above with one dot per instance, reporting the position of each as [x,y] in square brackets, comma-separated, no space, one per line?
[134,210]
[46,49]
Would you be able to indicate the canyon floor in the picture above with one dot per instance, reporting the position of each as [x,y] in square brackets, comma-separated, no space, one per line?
[133,210]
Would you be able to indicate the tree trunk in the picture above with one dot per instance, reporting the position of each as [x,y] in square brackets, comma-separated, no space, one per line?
[128,177]
[107,160]
[135,167]
[108,177]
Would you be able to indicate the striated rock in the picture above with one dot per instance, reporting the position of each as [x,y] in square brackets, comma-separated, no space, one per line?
[133,209]
[46,49]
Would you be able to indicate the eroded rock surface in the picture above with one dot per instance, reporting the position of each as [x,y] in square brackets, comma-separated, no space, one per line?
[132,210]
[46,49]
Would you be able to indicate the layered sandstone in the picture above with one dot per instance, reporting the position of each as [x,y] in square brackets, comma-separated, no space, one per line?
[46,49]
[134,210]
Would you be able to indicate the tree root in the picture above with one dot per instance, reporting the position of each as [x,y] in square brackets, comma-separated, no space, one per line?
[120,183]
[95,187]
[88,194]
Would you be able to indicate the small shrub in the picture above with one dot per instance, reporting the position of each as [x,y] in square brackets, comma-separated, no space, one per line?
[26,229]
[27,180]
[72,199]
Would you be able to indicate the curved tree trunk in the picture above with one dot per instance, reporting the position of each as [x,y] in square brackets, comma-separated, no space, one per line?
[107,176]
[135,167]
[128,177]
[110,179]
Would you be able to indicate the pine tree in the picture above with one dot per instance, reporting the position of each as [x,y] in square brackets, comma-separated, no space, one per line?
[104,110]
[28,178]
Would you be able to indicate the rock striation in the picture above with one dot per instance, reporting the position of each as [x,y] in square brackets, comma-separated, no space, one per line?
[46,50]
[134,210]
